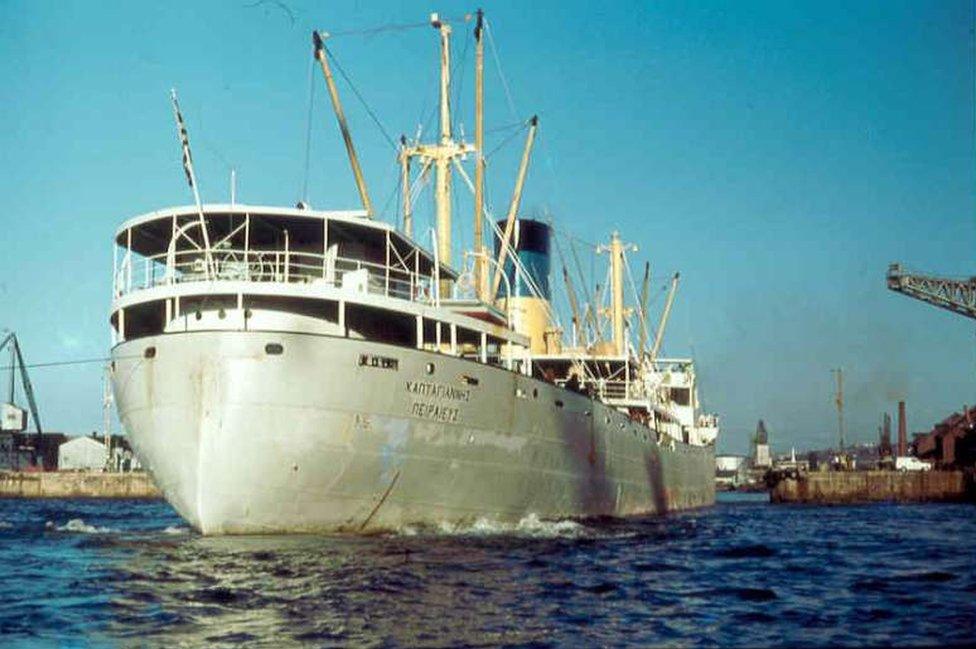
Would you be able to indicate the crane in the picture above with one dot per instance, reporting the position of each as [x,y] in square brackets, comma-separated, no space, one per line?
[12,418]
[659,337]
[958,296]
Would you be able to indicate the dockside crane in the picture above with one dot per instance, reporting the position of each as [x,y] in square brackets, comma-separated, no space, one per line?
[956,295]
[12,418]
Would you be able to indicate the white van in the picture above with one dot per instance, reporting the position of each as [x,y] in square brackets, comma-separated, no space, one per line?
[911,463]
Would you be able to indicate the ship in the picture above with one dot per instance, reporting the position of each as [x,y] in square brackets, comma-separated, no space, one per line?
[297,370]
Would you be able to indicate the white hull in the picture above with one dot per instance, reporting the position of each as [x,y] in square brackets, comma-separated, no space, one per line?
[310,440]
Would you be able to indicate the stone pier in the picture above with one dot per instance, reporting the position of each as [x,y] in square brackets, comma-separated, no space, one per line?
[77,484]
[847,487]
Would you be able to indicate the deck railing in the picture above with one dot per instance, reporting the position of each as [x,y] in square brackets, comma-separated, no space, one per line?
[612,389]
[136,272]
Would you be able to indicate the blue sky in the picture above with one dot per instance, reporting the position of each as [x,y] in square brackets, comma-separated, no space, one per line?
[779,155]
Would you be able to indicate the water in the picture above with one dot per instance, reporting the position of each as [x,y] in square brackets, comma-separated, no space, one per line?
[741,573]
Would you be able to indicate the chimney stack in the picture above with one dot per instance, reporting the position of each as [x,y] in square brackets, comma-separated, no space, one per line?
[902,431]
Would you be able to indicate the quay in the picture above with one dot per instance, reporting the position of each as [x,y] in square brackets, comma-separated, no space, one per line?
[852,487]
[77,484]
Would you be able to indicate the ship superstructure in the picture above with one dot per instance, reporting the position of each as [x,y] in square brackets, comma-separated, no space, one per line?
[291,369]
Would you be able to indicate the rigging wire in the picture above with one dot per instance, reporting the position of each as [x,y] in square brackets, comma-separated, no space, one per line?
[394,27]
[582,278]
[498,66]
[362,100]
[308,128]
[459,64]
[394,193]
[508,139]
[505,127]
[640,308]
[82,361]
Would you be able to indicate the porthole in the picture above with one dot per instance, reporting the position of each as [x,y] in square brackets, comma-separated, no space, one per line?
[199,315]
[247,313]
[429,368]
[273,349]
[221,314]
[149,353]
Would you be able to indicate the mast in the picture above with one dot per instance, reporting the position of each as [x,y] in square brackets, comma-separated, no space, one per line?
[405,182]
[357,171]
[617,309]
[481,259]
[441,155]
[442,164]
[191,179]
[839,400]
[617,295]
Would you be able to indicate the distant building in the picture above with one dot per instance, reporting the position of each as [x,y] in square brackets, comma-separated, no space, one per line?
[30,451]
[761,459]
[122,458]
[951,444]
[82,454]
[787,462]
[861,456]
[731,471]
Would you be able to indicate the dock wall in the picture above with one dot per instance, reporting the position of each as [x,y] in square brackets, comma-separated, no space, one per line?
[845,487]
[77,484]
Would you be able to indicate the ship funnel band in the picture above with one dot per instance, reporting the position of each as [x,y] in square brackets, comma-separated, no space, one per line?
[531,243]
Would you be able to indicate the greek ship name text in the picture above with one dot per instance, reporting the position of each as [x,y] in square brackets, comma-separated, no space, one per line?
[435,411]
[438,391]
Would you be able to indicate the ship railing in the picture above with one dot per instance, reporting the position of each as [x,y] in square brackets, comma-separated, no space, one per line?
[619,390]
[137,273]
[707,420]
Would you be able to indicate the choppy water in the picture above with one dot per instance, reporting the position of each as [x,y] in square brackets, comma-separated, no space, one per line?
[741,573]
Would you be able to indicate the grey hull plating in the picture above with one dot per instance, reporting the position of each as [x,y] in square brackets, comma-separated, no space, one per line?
[338,434]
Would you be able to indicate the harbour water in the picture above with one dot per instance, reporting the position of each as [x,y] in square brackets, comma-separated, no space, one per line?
[742,573]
